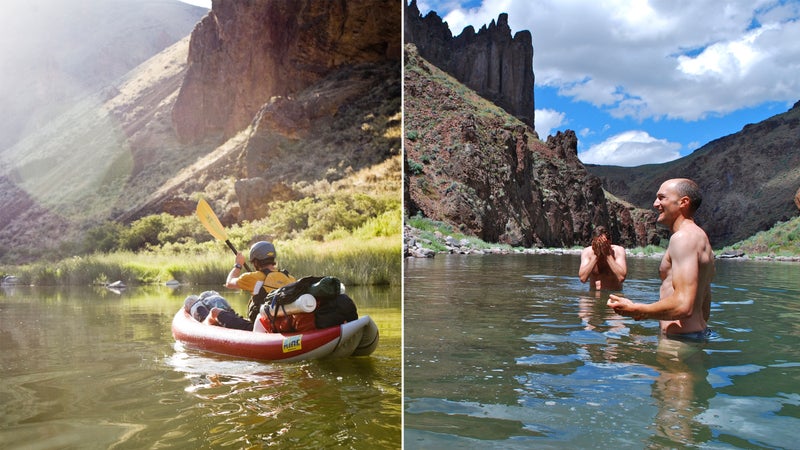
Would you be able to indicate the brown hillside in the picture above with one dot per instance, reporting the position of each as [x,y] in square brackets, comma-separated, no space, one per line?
[116,154]
[56,52]
[476,167]
[749,179]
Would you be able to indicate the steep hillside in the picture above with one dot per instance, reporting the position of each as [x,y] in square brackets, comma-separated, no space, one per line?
[472,165]
[749,179]
[119,153]
[55,53]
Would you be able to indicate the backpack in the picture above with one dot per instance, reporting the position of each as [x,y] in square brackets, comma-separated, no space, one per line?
[277,280]
[335,311]
[275,299]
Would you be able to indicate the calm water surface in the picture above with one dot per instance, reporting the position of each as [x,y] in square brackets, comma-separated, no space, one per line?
[514,352]
[87,368]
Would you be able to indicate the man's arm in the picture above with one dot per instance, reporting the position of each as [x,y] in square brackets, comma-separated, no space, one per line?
[232,282]
[684,274]
[707,304]
[617,263]
[588,260]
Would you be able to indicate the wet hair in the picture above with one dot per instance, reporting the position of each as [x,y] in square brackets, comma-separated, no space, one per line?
[688,188]
[600,230]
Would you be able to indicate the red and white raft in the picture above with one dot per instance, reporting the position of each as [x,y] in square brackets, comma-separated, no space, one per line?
[356,338]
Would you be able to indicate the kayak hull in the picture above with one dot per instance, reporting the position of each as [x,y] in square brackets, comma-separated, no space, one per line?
[357,338]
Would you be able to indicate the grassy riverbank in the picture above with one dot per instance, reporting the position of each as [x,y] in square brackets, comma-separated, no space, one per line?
[356,238]
[355,261]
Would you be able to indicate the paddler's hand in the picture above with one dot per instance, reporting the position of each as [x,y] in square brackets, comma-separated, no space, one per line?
[240,259]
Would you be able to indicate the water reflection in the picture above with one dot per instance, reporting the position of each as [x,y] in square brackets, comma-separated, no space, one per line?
[89,369]
[681,393]
[514,352]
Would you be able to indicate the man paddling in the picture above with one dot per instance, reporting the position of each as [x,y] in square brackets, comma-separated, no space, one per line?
[686,270]
[603,264]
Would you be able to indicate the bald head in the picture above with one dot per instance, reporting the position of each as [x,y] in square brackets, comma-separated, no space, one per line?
[685,187]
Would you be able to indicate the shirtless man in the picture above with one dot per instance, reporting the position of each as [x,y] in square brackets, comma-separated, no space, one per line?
[686,269]
[603,264]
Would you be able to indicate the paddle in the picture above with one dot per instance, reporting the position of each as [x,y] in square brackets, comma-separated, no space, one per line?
[213,225]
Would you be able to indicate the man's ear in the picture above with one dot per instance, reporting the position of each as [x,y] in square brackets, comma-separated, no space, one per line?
[684,201]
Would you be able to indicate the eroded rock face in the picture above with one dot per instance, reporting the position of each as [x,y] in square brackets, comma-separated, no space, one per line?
[494,179]
[245,52]
[496,65]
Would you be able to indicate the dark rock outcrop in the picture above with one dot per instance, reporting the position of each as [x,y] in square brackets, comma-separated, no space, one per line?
[797,198]
[491,62]
[244,53]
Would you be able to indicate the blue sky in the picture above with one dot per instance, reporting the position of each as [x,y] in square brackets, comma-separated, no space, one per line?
[644,81]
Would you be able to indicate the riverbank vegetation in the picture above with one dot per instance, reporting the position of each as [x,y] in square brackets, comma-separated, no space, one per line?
[781,241]
[354,237]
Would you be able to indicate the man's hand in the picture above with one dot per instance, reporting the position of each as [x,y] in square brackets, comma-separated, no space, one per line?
[624,307]
[601,246]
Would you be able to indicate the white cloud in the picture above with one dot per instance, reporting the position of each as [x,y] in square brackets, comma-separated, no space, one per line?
[546,121]
[631,148]
[653,60]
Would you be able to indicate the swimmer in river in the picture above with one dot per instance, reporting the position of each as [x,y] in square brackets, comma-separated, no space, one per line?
[686,270]
[603,264]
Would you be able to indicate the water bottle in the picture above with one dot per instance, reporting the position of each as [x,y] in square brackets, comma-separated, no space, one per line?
[306,303]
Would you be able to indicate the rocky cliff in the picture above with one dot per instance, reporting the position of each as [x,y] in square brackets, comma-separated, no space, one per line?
[749,179]
[269,100]
[244,53]
[301,90]
[491,62]
[470,164]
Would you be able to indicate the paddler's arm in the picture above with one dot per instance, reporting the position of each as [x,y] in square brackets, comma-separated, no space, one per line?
[232,282]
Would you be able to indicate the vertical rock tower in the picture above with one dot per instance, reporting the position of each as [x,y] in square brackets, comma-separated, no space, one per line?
[496,65]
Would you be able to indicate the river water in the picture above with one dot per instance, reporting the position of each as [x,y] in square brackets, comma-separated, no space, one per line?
[514,352]
[93,369]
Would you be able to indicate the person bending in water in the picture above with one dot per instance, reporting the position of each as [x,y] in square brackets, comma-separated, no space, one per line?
[686,270]
[603,264]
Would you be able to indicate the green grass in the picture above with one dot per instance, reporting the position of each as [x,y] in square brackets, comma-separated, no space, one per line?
[361,245]
[354,260]
[430,228]
[783,239]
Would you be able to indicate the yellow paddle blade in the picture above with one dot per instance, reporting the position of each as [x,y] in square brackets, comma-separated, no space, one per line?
[210,220]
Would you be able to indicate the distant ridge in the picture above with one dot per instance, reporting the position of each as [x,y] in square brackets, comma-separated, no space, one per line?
[56,52]
[749,179]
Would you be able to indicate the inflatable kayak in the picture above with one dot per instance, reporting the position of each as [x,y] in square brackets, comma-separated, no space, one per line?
[356,338]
